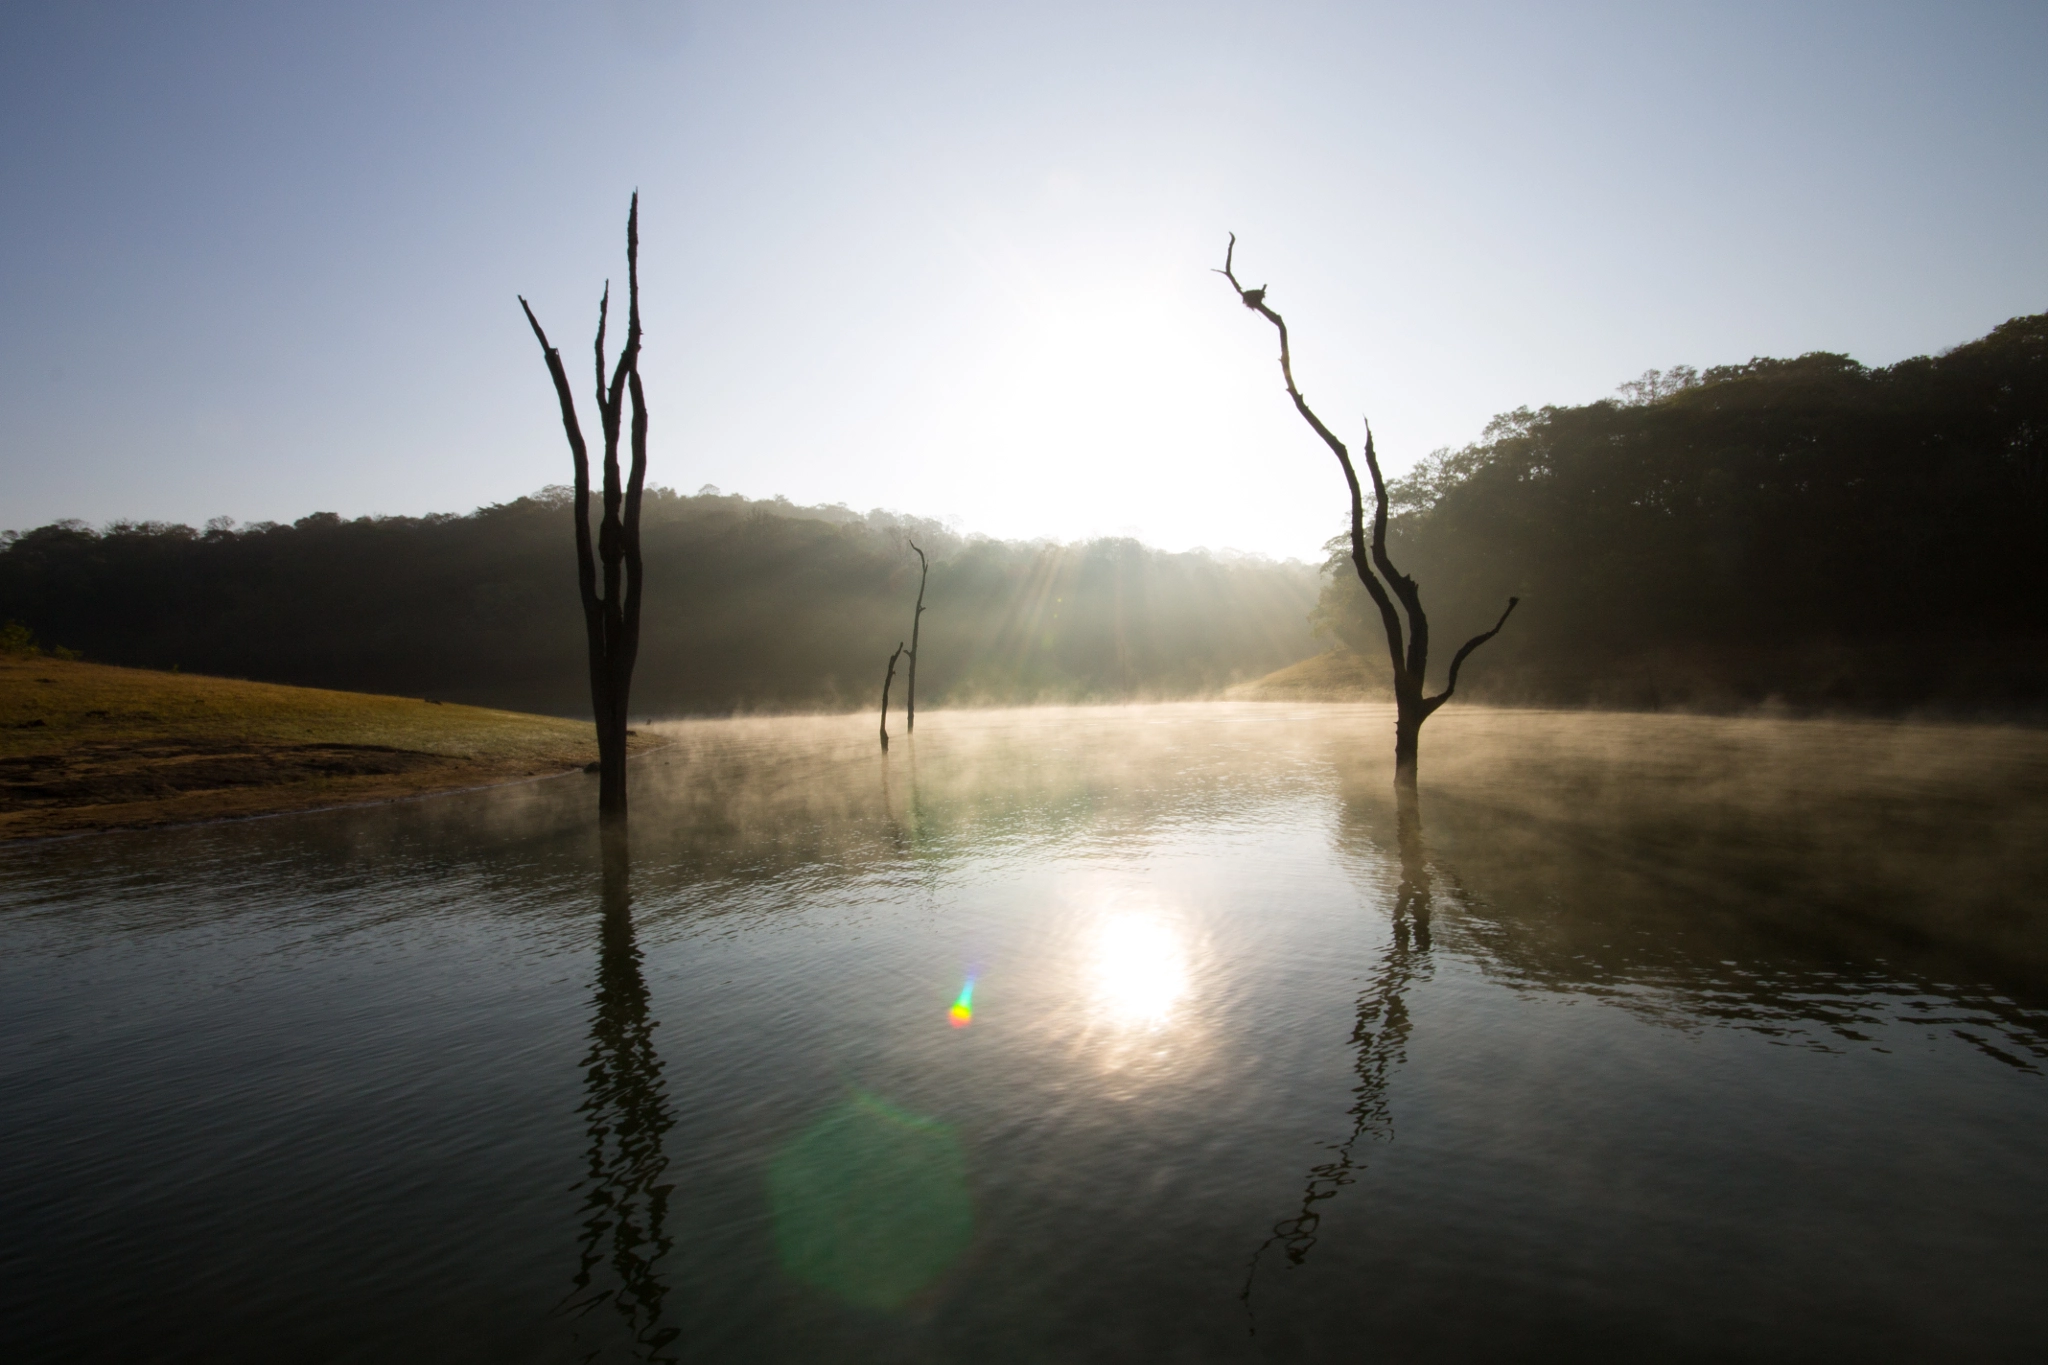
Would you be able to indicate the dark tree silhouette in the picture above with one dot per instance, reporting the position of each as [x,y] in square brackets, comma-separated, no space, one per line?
[1408,651]
[924,570]
[611,621]
[887,679]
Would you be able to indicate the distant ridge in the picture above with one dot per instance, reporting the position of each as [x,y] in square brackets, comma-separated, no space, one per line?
[752,606]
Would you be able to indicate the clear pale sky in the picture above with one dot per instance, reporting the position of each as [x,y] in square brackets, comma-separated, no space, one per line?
[258,260]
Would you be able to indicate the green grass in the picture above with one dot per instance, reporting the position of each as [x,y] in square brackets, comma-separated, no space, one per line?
[87,746]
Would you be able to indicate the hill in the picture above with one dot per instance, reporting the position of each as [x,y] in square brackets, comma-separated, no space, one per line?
[751,606]
[1809,531]
[1334,675]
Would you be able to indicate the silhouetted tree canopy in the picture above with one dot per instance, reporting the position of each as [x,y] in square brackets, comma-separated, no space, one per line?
[751,605]
[1806,529]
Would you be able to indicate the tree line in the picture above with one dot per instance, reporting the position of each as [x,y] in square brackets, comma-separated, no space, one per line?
[1811,530]
[750,605]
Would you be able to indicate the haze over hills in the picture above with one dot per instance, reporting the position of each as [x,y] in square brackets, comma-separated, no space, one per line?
[1807,530]
[750,605]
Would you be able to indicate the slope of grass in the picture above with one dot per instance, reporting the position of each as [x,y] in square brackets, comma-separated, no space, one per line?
[1338,675]
[87,746]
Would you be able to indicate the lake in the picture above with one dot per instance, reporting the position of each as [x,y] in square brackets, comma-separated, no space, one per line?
[1095,1034]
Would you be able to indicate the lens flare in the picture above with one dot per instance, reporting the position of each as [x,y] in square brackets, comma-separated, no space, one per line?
[870,1203]
[962,1013]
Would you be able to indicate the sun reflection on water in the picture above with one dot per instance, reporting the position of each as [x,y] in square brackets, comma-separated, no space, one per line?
[1140,969]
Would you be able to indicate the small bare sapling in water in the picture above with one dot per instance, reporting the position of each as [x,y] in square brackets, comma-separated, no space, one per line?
[916,618]
[888,678]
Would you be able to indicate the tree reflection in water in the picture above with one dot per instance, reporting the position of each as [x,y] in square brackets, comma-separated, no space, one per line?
[625,1107]
[1379,1036]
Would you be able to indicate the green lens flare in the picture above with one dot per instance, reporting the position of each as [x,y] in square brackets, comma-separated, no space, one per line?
[870,1203]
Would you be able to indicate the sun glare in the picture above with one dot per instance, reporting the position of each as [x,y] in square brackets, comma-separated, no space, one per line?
[1140,969]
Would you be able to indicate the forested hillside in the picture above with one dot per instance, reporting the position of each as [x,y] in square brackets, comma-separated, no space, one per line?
[750,605]
[1807,530]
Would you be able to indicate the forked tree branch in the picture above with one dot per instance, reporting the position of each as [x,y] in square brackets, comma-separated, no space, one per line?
[1458,659]
[604,310]
[612,542]
[1375,567]
[636,477]
[579,457]
[1403,586]
[1255,299]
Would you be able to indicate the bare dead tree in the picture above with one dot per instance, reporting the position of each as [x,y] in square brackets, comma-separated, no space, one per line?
[886,680]
[1408,651]
[611,620]
[916,619]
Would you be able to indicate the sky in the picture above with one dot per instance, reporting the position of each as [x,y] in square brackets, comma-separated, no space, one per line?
[261,260]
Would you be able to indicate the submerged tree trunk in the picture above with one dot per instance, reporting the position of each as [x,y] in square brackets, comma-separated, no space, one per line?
[886,680]
[1407,731]
[1407,647]
[611,619]
[916,618]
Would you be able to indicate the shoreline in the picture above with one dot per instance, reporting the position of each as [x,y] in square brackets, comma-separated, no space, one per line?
[241,817]
[91,748]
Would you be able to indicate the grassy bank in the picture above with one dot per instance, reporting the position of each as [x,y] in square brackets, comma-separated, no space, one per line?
[1338,675]
[90,747]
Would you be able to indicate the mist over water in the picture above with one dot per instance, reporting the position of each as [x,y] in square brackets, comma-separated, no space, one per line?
[1686,1038]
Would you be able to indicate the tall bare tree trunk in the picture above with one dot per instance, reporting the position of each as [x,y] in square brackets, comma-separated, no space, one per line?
[1407,650]
[612,620]
[916,619]
[888,678]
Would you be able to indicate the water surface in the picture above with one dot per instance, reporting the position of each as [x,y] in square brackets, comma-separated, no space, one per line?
[1125,1033]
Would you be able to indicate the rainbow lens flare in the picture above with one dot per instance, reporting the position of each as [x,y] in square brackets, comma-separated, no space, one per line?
[962,1013]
